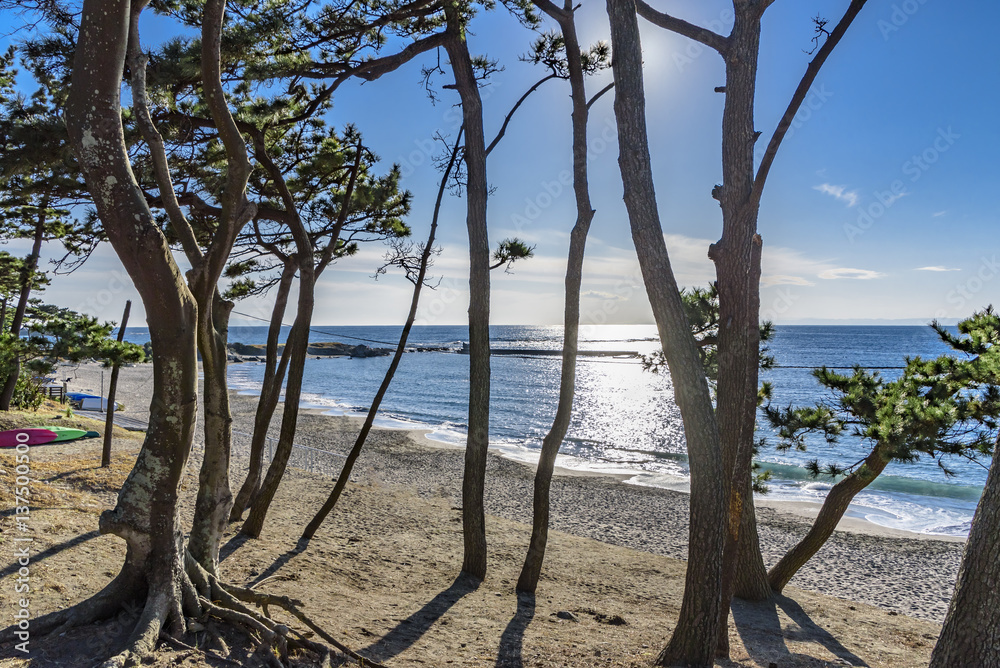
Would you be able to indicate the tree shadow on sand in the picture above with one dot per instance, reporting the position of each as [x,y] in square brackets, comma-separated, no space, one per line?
[50,552]
[815,632]
[239,540]
[409,631]
[760,629]
[512,640]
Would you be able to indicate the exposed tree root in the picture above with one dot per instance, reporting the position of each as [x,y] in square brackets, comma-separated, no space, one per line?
[291,606]
[187,603]
[174,642]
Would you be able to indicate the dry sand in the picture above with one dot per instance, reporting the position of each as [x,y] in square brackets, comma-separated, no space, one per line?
[381,573]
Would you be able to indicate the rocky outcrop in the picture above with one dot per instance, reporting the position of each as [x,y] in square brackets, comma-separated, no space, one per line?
[245,352]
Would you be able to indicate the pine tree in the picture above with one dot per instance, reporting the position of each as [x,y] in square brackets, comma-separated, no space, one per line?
[940,408]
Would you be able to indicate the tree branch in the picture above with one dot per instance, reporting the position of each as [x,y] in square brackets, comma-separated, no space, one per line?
[682,27]
[510,114]
[800,95]
[598,94]
[161,169]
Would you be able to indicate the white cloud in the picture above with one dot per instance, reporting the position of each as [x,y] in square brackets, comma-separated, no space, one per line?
[937,268]
[847,272]
[892,199]
[840,192]
[599,294]
[781,279]
[938,214]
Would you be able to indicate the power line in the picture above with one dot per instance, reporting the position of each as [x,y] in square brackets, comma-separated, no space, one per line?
[319,331]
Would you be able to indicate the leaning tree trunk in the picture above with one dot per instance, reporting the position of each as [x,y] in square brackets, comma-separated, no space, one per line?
[298,344]
[532,568]
[474,480]
[270,393]
[215,496]
[27,274]
[418,284]
[830,513]
[109,422]
[694,638]
[971,632]
[297,347]
[146,515]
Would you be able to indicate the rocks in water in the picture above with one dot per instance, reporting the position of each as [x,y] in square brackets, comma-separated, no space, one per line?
[242,352]
[365,351]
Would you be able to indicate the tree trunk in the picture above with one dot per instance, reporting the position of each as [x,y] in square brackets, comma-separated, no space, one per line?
[109,422]
[532,568]
[215,496]
[737,257]
[832,510]
[477,191]
[298,344]
[27,273]
[971,632]
[270,394]
[751,574]
[694,638]
[145,515]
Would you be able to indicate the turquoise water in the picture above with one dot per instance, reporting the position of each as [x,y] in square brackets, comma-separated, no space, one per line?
[624,418]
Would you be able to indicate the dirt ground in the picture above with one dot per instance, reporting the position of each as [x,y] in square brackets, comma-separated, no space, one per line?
[382,577]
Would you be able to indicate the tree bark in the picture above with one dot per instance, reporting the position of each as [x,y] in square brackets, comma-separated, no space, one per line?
[737,259]
[971,632]
[833,509]
[750,572]
[145,515]
[694,638]
[215,496]
[27,273]
[109,422]
[477,192]
[270,393]
[532,568]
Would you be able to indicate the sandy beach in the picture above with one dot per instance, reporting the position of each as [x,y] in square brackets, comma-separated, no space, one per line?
[898,571]
[381,574]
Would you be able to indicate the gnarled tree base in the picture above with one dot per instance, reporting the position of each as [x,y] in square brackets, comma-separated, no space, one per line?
[195,603]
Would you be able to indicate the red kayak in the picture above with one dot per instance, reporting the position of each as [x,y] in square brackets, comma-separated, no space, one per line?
[32,436]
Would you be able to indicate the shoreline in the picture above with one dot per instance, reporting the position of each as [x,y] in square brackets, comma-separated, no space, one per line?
[861,561]
[807,510]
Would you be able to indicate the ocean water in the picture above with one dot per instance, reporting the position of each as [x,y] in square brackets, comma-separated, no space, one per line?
[624,418]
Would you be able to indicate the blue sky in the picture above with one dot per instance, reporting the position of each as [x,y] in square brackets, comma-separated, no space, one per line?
[879,205]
